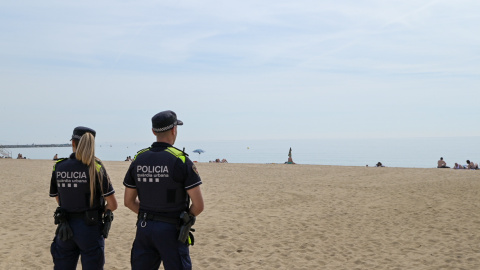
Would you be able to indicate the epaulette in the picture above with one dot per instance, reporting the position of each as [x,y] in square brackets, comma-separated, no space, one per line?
[177,153]
[141,152]
[98,164]
[58,161]
[61,159]
[183,151]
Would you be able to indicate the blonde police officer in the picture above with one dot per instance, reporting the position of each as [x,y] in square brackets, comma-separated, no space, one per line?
[81,186]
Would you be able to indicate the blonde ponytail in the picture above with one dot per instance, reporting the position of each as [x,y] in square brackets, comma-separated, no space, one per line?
[86,154]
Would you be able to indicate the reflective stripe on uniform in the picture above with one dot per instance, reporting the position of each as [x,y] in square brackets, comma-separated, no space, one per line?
[141,152]
[58,161]
[98,166]
[174,151]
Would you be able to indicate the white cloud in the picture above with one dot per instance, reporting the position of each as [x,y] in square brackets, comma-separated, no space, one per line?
[377,67]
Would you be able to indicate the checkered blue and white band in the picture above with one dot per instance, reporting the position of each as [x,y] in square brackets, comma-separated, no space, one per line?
[164,128]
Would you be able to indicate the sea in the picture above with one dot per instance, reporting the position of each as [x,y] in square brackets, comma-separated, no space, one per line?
[391,152]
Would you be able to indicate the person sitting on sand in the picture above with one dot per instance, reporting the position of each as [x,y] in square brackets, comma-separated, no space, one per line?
[55,157]
[471,165]
[224,161]
[442,164]
[379,164]
[19,156]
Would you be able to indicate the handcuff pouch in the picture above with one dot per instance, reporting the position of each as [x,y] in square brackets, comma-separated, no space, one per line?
[92,217]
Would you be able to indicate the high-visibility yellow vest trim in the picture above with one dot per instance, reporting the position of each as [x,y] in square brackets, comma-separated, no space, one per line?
[174,151]
[141,152]
[60,160]
[98,166]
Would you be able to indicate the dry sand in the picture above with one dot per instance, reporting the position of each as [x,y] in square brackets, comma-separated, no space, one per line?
[276,216]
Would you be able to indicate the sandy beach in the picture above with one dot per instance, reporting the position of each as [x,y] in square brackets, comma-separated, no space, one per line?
[276,216]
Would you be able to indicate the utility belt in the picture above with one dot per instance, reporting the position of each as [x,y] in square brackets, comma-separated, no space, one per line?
[184,224]
[144,216]
[91,218]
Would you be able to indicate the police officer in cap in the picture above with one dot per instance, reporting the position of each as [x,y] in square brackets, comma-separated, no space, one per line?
[81,186]
[160,184]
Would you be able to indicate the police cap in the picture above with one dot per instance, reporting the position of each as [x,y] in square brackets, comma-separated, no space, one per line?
[164,121]
[79,131]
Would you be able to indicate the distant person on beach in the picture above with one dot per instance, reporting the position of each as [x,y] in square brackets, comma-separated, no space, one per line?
[19,156]
[379,164]
[458,166]
[290,160]
[55,157]
[85,196]
[471,165]
[159,185]
[441,163]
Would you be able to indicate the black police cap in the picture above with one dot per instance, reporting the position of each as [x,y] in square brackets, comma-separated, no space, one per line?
[164,121]
[79,131]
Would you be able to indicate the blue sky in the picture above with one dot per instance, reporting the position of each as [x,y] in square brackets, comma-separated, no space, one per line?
[239,69]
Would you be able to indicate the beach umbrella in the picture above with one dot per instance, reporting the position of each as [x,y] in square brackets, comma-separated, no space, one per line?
[199,151]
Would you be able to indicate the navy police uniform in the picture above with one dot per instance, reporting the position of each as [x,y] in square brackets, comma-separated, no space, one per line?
[161,174]
[71,183]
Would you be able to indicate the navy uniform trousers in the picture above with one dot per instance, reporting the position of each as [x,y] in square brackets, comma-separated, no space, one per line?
[155,242]
[87,241]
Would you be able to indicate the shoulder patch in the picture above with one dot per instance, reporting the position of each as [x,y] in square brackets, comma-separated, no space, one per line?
[195,169]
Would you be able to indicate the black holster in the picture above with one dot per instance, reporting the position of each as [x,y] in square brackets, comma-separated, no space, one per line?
[60,215]
[185,234]
[107,222]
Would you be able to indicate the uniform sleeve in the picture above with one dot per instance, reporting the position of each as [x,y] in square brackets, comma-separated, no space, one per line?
[192,178]
[129,180]
[53,185]
[107,184]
